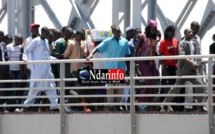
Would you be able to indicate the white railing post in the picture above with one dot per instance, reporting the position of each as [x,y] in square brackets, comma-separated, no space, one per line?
[210,97]
[132,98]
[62,93]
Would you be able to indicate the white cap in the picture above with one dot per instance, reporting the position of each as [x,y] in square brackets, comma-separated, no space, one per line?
[129,28]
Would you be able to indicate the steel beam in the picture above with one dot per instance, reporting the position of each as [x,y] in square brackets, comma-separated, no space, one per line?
[11,6]
[79,14]
[3,10]
[144,4]
[208,19]
[26,15]
[115,12]
[51,14]
[136,10]
[208,22]
[143,21]
[126,9]
[163,20]
[185,13]
[152,5]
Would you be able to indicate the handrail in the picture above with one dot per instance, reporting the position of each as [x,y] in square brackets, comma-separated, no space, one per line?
[131,85]
[109,59]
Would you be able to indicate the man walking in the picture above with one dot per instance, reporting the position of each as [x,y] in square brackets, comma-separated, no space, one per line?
[186,67]
[39,49]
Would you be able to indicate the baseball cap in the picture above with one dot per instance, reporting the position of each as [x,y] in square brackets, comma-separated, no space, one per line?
[34,25]
[129,28]
[152,23]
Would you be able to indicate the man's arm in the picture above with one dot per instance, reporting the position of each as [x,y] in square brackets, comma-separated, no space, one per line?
[30,48]
[100,48]
[95,50]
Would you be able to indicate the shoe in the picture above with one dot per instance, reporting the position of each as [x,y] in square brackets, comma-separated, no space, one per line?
[86,109]
[205,107]
[25,109]
[188,110]
[17,110]
[120,108]
[142,108]
[6,111]
[170,109]
[72,92]
[162,109]
[67,109]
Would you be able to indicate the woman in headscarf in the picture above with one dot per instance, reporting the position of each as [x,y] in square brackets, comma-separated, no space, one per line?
[146,46]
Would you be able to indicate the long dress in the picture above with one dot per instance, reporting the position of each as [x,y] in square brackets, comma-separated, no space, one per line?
[147,68]
[39,50]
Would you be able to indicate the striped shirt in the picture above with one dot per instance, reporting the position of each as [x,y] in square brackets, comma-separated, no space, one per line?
[13,55]
[197,43]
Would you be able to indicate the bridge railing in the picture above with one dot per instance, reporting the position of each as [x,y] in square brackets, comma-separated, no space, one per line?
[131,86]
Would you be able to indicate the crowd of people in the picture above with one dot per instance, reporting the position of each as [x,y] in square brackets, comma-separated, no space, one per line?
[66,43]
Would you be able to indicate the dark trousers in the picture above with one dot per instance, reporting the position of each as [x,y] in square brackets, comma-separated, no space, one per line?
[16,76]
[167,71]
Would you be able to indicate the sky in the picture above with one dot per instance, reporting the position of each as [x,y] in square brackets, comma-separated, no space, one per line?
[102,16]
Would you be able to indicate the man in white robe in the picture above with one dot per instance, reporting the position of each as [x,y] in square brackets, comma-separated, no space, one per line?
[39,50]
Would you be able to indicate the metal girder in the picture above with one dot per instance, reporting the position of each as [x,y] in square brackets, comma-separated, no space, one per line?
[152,4]
[142,7]
[3,10]
[144,4]
[81,13]
[124,7]
[163,20]
[185,13]
[136,13]
[115,12]
[51,14]
[11,6]
[143,21]
[208,20]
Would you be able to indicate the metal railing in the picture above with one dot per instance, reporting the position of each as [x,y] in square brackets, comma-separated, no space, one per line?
[209,85]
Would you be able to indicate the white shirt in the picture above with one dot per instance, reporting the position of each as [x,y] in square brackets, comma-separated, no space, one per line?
[13,55]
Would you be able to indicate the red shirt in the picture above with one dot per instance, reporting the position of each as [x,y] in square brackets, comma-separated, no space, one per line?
[169,48]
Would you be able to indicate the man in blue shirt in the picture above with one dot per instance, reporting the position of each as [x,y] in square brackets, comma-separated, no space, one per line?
[113,47]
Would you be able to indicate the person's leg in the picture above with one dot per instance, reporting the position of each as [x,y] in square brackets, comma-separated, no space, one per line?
[174,90]
[12,93]
[53,99]
[165,72]
[27,85]
[31,96]
[199,90]
[119,91]
[110,91]
[188,99]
